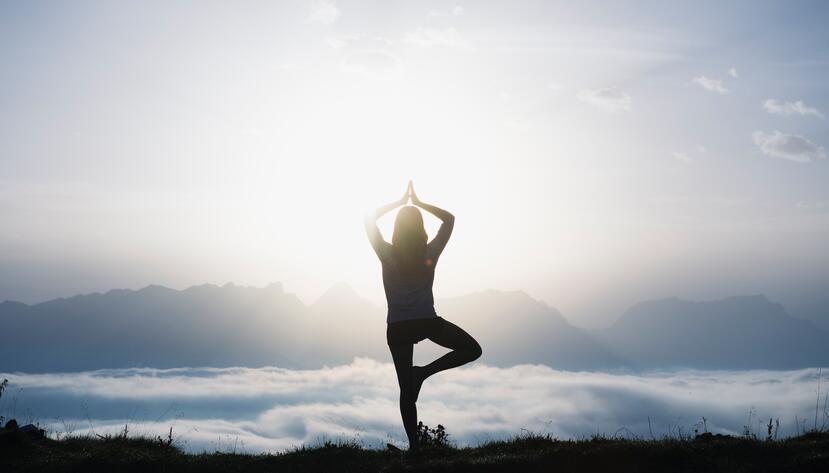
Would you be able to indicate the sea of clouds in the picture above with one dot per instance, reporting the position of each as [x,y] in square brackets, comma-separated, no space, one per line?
[272,409]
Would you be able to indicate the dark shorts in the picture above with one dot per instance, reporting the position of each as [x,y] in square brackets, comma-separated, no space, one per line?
[409,332]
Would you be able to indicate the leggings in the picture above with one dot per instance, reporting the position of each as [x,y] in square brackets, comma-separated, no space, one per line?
[410,378]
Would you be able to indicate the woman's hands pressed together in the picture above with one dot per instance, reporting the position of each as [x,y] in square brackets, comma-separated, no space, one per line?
[443,215]
[411,191]
[438,212]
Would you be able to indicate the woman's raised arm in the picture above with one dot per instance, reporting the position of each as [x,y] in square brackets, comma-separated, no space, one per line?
[373,233]
[440,240]
[438,212]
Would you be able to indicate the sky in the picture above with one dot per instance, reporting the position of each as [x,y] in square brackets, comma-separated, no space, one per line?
[594,154]
[270,409]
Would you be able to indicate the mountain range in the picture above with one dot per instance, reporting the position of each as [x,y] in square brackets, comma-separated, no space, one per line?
[232,325]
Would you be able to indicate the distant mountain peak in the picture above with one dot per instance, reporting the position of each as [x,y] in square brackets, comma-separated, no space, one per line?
[338,294]
[275,287]
[511,296]
[155,288]
[11,303]
[748,298]
[230,285]
[745,308]
[737,332]
[171,327]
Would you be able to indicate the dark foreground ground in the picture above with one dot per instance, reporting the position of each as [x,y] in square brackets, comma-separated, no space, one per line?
[807,453]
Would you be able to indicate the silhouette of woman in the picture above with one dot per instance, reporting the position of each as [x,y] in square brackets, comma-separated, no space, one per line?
[408,272]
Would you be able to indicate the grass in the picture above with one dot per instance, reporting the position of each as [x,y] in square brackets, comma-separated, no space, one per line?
[805,453]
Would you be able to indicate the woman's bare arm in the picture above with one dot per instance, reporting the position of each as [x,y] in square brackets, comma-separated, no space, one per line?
[440,240]
[438,212]
[373,232]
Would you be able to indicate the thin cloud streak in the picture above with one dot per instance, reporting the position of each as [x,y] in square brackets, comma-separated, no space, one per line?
[784,107]
[457,10]
[791,147]
[324,12]
[375,63]
[432,37]
[609,99]
[711,85]
[683,157]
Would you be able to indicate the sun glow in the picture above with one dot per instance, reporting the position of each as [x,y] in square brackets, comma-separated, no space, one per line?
[245,143]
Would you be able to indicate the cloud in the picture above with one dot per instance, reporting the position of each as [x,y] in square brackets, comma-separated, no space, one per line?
[733,72]
[792,147]
[713,85]
[457,10]
[358,40]
[818,206]
[324,12]
[336,43]
[683,157]
[610,99]
[783,107]
[366,55]
[431,37]
[269,409]
[686,157]
[377,64]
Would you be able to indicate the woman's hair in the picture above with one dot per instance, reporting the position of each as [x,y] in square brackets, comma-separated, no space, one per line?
[409,241]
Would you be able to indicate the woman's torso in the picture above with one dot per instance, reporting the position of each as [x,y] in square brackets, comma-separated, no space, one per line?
[409,294]
[410,298]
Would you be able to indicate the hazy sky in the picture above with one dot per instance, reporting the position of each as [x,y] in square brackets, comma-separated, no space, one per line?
[594,155]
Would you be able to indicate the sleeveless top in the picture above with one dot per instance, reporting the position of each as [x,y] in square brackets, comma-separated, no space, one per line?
[410,298]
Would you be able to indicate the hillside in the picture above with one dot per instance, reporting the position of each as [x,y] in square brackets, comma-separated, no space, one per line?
[733,333]
[233,325]
[515,328]
[807,453]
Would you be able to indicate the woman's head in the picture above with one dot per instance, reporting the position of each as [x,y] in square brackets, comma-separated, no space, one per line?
[409,238]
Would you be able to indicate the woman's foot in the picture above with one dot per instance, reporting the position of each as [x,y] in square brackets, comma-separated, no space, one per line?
[417,380]
[414,447]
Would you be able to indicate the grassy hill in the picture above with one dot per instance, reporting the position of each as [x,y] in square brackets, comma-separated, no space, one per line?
[806,453]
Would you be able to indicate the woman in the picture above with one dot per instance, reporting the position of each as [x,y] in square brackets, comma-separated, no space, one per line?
[408,272]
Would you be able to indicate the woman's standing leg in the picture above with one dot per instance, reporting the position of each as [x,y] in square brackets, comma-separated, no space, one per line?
[402,356]
[464,349]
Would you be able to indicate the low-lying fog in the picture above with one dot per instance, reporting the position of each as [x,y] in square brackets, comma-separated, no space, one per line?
[269,409]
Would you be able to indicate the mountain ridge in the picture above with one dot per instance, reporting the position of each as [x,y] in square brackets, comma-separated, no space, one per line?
[226,325]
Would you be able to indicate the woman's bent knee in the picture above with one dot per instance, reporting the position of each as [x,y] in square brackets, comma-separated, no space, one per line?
[475,352]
